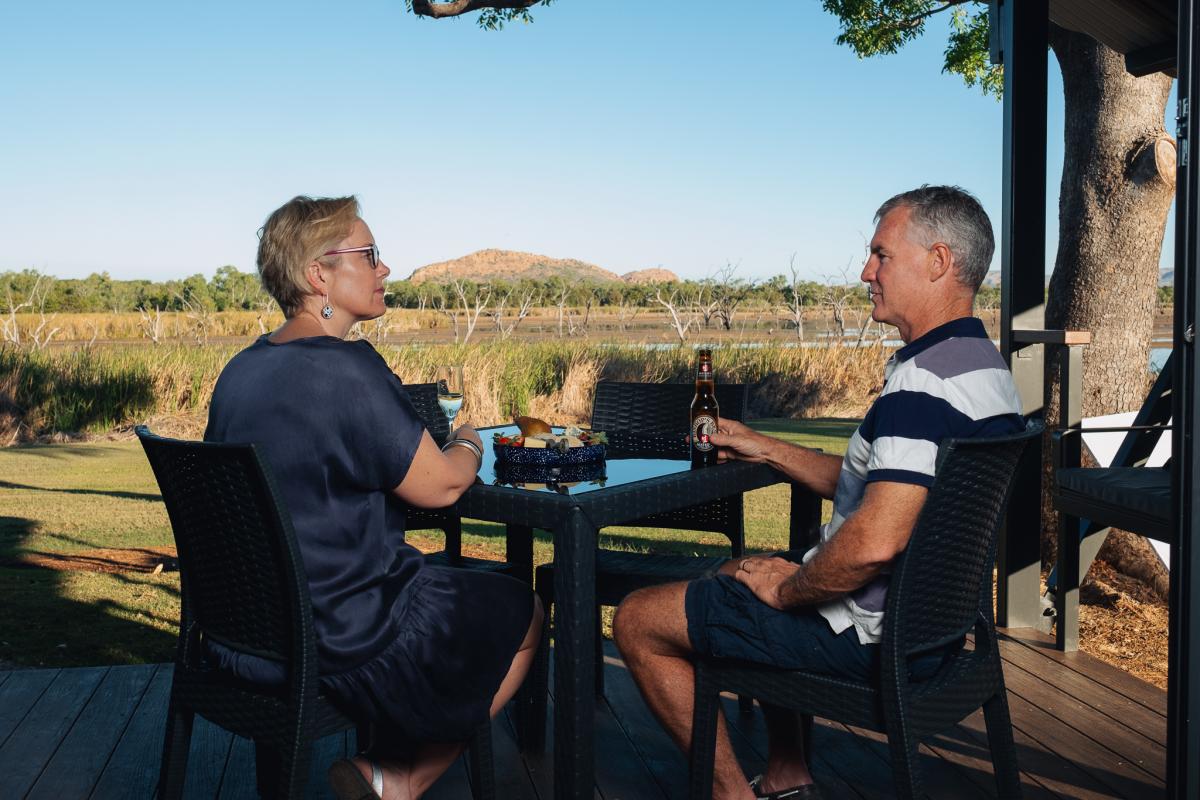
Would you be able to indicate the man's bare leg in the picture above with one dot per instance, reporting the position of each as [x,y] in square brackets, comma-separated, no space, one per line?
[651,632]
[405,779]
[786,766]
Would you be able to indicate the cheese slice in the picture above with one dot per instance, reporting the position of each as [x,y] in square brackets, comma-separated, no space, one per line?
[533,442]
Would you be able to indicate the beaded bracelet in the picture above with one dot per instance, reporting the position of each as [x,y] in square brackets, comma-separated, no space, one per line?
[467,443]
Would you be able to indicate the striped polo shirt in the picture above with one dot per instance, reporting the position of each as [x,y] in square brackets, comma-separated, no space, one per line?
[950,383]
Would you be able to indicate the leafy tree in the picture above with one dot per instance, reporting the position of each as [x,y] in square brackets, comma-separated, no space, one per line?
[232,290]
[495,13]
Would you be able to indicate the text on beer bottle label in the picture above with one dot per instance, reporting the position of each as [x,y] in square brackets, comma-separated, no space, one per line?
[703,426]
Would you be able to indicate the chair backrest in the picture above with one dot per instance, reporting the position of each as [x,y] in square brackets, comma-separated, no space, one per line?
[941,584]
[424,399]
[241,573]
[657,407]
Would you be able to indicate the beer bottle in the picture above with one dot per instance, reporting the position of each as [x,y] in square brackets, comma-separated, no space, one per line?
[704,413]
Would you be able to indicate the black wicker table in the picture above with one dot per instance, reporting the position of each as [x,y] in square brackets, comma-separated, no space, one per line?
[642,475]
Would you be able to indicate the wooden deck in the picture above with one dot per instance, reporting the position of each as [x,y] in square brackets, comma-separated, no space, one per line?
[1083,730]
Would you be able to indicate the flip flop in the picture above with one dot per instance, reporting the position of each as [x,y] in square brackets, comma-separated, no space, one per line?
[349,784]
[807,791]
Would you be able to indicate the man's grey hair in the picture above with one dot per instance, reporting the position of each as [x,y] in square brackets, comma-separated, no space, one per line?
[953,216]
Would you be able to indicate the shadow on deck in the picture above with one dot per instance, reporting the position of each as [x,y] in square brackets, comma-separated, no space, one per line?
[1083,730]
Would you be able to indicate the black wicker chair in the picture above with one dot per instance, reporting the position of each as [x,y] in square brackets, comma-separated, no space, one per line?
[654,417]
[424,399]
[940,590]
[243,584]
[657,413]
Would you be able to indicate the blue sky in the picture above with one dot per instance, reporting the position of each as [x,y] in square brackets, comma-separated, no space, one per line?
[151,139]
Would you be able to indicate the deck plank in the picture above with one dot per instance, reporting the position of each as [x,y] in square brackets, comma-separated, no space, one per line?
[207,758]
[664,761]
[85,750]
[1041,767]
[1120,681]
[620,770]
[36,738]
[1105,731]
[825,750]
[512,779]
[238,781]
[940,779]
[1097,693]
[1115,771]
[132,769]
[969,750]
[21,692]
[1079,734]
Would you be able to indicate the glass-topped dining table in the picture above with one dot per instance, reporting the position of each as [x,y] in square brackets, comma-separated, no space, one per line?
[641,475]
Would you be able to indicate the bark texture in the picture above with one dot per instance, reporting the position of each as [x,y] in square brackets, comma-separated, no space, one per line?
[1117,187]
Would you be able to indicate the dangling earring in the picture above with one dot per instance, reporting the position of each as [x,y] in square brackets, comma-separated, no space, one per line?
[327,311]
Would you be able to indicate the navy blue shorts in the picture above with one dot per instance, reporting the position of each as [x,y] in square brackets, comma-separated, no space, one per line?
[726,620]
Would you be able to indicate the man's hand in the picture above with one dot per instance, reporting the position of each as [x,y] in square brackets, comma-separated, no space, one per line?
[736,441]
[765,576]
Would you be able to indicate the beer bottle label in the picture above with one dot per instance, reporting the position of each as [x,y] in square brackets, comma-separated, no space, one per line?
[703,426]
[704,372]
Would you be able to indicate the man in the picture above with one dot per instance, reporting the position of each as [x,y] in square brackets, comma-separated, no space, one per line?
[823,610]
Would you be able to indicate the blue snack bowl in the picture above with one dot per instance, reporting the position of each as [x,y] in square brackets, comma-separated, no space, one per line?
[538,456]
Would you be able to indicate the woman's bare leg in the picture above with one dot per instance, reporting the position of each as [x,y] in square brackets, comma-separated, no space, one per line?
[409,779]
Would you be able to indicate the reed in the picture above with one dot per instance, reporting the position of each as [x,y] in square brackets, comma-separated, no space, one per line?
[103,389]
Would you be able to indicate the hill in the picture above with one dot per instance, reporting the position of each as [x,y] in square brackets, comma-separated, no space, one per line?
[652,275]
[485,265]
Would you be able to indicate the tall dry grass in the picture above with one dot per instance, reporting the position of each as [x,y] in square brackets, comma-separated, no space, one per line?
[194,326]
[105,389]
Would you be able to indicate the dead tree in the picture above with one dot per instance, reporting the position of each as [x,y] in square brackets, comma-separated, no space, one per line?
[152,324]
[562,293]
[11,327]
[796,307]
[702,301]
[580,328]
[262,307]
[671,304]
[523,308]
[728,292]
[447,311]
[626,313]
[203,318]
[473,299]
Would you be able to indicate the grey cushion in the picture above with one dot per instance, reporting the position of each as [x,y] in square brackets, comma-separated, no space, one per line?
[1136,499]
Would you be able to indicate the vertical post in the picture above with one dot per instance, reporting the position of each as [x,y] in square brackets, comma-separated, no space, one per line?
[1183,699]
[518,552]
[574,656]
[1070,415]
[1022,35]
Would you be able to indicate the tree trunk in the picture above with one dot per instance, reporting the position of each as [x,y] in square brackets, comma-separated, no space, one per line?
[1118,182]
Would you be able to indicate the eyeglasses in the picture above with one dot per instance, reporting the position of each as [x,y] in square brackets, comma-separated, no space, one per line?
[371,250]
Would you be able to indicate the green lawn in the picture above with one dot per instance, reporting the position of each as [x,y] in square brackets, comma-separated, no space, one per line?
[71,498]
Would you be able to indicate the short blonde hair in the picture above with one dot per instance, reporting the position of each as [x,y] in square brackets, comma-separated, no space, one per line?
[296,234]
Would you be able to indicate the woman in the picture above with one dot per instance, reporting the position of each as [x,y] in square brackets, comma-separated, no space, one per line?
[425,653]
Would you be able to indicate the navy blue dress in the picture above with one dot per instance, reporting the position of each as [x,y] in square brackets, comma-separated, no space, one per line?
[415,648]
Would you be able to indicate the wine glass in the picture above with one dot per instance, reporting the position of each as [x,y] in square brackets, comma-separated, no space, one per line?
[450,390]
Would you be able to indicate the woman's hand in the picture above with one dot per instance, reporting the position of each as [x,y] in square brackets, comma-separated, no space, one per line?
[736,441]
[468,433]
[766,576]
